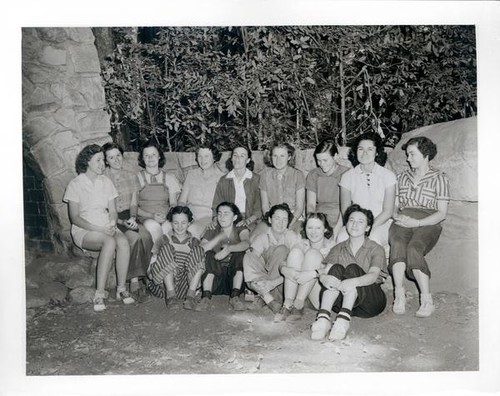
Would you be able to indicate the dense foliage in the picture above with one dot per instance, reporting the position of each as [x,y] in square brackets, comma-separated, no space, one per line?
[186,85]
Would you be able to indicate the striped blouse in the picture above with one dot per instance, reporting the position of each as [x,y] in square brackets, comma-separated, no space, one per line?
[431,188]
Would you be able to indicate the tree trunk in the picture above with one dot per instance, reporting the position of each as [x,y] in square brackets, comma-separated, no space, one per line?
[343,131]
[104,42]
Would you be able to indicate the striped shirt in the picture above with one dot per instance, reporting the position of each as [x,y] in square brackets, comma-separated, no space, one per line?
[182,259]
[431,188]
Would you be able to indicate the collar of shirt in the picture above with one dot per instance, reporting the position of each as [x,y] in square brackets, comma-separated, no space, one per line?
[376,168]
[98,179]
[159,176]
[367,244]
[246,175]
[273,240]
[276,175]
[174,238]
[431,172]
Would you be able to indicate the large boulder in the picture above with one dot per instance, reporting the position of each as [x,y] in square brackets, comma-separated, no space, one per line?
[454,260]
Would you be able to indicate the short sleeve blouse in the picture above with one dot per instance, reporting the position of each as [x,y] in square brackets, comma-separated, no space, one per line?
[370,254]
[93,197]
[368,188]
[282,188]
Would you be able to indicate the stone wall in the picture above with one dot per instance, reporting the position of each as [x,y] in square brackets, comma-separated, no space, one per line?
[63,109]
[454,262]
[36,229]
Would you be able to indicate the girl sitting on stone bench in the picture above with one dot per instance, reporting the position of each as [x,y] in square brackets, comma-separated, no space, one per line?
[92,212]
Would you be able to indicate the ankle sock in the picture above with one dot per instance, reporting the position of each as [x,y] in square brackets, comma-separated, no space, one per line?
[191,293]
[120,289]
[323,313]
[426,297]
[345,314]
[170,294]
[207,294]
[235,292]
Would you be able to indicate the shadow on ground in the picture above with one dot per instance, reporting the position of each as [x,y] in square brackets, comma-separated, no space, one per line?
[147,338]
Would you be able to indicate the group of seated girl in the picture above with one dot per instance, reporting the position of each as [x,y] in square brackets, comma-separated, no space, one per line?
[220,233]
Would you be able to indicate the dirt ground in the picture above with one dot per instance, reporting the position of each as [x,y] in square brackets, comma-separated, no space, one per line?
[147,338]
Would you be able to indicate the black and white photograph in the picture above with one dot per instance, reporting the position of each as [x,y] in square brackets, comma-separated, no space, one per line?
[283,195]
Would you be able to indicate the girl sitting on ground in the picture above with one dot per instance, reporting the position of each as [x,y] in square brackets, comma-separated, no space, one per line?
[268,253]
[180,260]
[92,212]
[301,265]
[351,279]
[224,250]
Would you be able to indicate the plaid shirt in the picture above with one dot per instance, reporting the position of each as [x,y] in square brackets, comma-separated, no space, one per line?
[126,183]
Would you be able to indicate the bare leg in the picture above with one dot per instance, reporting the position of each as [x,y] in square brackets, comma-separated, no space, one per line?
[238,280]
[422,281]
[426,304]
[294,261]
[312,261]
[208,282]
[122,258]
[106,245]
[169,283]
[154,229]
[195,281]
[398,273]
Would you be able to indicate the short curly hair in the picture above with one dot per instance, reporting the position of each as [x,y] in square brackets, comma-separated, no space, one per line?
[84,156]
[110,146]
[356,208]
[282,206]
[322,217]
[161,160]
[180,210]
[251,163]
[425,145]
[326,146]
[213,149]
[380,156]
[233,208]
[285,145]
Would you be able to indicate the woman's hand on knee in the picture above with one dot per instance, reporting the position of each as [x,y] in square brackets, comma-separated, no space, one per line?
[348,285]
[329,281]
[159,218]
